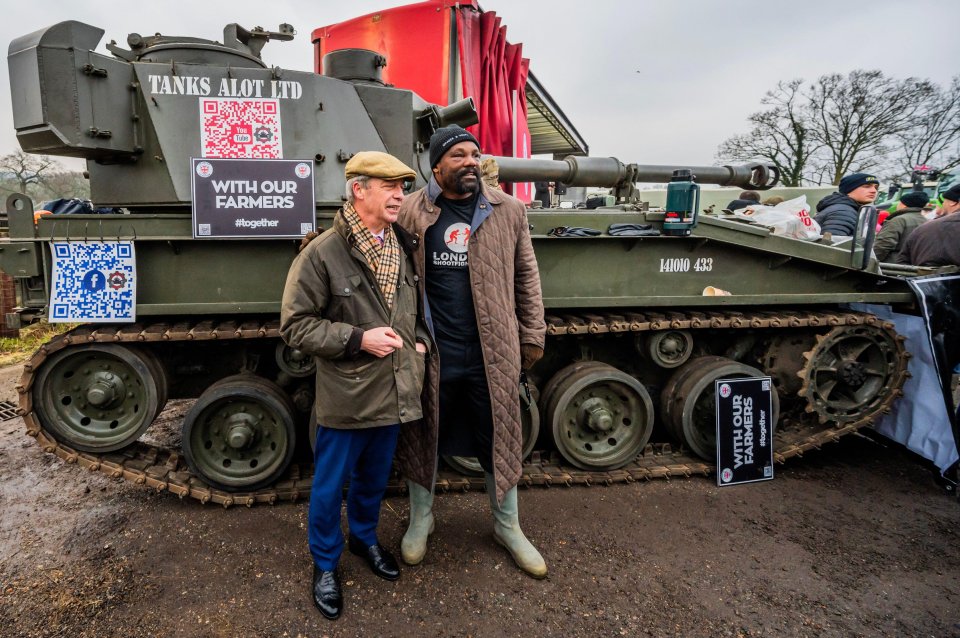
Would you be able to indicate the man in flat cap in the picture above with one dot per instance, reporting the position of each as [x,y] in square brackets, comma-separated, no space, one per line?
[936,243]
[838,212]
[900,224]
[481,291]
[350,301]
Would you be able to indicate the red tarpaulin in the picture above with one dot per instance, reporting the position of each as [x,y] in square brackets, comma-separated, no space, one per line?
[416,42]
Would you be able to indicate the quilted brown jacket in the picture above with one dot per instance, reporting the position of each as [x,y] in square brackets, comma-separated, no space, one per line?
[505,284]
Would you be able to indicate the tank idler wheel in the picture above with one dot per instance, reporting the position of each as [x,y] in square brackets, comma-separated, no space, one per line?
[294,362]
[529,426]
[240,434]
[99,397]
[690,410]
[667,348]
[601,418]
[851,372]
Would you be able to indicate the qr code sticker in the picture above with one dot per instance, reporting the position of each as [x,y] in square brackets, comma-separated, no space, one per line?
[234,128]
[93,282]
[203,230]
[306,228]
[767,471]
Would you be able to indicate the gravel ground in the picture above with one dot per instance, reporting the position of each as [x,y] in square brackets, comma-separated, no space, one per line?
[854,540]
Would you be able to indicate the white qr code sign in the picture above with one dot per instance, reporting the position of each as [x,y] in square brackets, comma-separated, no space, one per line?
[93,282]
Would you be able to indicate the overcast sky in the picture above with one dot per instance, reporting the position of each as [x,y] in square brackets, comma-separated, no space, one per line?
[654,82]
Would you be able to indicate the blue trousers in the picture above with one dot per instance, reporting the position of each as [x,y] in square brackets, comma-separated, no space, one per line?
[364,456]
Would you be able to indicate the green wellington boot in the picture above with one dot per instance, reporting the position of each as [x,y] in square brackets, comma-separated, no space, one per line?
[413,547]
[507,532]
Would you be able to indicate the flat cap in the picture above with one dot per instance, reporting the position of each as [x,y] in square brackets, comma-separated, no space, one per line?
[377,164]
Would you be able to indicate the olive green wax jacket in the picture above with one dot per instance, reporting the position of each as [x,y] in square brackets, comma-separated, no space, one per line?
[331,297]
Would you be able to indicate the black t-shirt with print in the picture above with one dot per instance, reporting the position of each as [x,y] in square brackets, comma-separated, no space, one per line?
[448,272]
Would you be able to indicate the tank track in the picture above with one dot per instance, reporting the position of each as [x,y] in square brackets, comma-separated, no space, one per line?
[162,469]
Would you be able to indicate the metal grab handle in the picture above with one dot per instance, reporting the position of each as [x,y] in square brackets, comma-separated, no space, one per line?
[864,236]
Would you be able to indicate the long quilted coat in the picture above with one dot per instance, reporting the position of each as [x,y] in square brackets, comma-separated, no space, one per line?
[506,294]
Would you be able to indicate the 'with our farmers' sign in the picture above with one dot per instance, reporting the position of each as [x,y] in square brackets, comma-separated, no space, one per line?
[744,430]
[254,198]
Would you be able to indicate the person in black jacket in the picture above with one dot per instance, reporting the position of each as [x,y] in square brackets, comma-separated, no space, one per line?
[837,213]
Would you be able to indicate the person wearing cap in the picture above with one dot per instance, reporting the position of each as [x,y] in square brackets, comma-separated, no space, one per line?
[899,225]
[838,212]
[481,292]
[936,243]
[950,201]
[350,301]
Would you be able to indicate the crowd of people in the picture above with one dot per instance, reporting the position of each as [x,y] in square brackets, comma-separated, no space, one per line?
[906,235]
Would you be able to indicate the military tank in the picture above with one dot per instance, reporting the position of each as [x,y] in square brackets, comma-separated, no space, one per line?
[635,337]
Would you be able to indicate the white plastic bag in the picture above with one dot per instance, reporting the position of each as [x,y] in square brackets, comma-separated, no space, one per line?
[789,219]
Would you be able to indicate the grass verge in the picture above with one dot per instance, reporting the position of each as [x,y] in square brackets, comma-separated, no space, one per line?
[13,351]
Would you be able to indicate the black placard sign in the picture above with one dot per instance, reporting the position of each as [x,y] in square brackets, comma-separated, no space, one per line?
[744,430]
[257,198]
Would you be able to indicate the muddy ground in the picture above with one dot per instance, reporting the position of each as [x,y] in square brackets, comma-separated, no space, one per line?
[855,540]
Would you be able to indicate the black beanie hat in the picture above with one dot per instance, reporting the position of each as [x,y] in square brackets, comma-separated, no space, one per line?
[443,139]
[856,180]
[915,199]
[953,193]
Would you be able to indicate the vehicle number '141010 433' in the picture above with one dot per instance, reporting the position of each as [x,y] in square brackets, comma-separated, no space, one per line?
[677,264]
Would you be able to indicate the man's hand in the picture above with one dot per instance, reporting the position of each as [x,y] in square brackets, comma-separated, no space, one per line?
[529,355]
[380,341]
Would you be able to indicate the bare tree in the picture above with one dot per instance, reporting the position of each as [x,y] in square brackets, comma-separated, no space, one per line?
[779,135]
[856,117]
[26,169]
[933,137]
[844,123]
[64,184]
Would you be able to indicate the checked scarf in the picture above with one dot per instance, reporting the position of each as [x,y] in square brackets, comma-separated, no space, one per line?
[384,259]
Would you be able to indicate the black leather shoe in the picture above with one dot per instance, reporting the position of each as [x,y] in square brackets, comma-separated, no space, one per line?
[381,562]
[327,596]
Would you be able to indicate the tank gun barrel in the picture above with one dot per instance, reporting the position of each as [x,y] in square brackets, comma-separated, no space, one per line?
[611,172]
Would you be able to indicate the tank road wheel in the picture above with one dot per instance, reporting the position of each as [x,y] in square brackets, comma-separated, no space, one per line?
[601,417]
[99,397]
[240,434]
[529,427]
[690,410]
[852,372]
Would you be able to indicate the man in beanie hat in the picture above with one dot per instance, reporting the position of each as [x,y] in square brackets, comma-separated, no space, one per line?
[350,301]
[481,291]
[838,212]
[950,201]
[899,225]
[936,243]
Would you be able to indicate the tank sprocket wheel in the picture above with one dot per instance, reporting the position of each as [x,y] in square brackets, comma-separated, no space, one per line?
[852,372]
[600,417]
[240,434]
[529,427]
[100,397]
